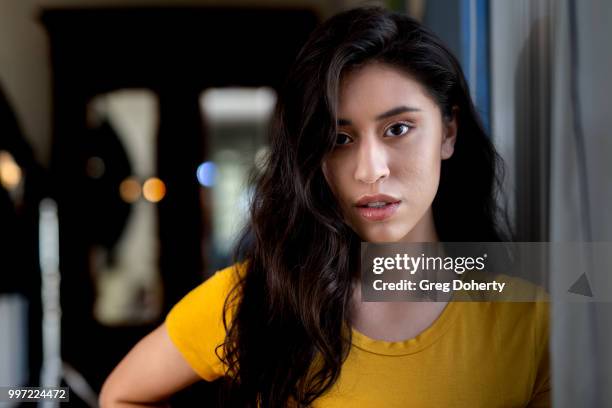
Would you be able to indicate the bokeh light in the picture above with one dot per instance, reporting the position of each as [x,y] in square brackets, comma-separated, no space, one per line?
[95,167]
[129,190]
[10,172]
[154,190]
[206,174]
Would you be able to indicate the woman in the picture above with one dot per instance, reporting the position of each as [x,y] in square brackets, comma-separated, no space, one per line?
[375,138]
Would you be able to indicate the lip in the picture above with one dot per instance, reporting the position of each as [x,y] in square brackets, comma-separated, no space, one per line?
[377,213]
[364,200]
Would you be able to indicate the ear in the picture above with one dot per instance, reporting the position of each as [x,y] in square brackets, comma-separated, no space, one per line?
[449,135]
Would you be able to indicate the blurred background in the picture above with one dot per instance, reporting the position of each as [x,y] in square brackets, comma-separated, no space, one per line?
[128,129]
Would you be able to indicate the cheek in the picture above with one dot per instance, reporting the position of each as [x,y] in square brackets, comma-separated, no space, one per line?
[417,170]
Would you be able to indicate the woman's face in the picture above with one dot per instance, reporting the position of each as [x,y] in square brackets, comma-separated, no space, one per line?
[385,168]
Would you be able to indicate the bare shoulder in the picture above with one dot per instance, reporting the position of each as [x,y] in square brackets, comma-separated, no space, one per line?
[179,352]
[151,372]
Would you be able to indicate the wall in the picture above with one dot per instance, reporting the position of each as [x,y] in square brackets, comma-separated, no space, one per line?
[24,54]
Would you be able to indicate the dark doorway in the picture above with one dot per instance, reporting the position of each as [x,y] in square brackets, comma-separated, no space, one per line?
[176,53]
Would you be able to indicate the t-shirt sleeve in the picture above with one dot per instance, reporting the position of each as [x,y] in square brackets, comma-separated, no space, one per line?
[541,396]
[195,324]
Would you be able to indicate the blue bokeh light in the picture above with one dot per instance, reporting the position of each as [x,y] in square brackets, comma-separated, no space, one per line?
[206,173]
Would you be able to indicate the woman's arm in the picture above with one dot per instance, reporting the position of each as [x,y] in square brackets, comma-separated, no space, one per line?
[148,375]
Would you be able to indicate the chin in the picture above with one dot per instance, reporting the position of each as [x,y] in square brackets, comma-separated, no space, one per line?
[383,233]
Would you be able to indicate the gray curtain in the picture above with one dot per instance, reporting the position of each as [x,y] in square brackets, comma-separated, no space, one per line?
[581,193]
[552,122]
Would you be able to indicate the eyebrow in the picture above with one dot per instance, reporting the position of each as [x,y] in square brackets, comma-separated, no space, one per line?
[384,115]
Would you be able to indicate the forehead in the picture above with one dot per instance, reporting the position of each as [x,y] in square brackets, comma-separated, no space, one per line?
[377,87]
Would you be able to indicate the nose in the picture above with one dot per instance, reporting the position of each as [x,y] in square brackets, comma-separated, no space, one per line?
[372,163]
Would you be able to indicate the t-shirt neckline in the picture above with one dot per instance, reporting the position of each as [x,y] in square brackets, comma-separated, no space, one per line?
[412,345]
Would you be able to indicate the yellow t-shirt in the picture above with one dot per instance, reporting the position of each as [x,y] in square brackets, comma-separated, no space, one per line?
[476,354]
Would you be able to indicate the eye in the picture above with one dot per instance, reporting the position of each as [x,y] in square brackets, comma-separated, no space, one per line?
[398,129]
[342,139]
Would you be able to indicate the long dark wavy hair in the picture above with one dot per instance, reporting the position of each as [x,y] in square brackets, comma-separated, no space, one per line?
[289,334]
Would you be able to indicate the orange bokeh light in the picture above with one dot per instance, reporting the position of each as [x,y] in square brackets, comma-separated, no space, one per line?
[10,172]
[129,190]
[154,190]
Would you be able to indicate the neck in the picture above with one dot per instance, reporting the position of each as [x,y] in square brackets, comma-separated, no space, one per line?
[423,231]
